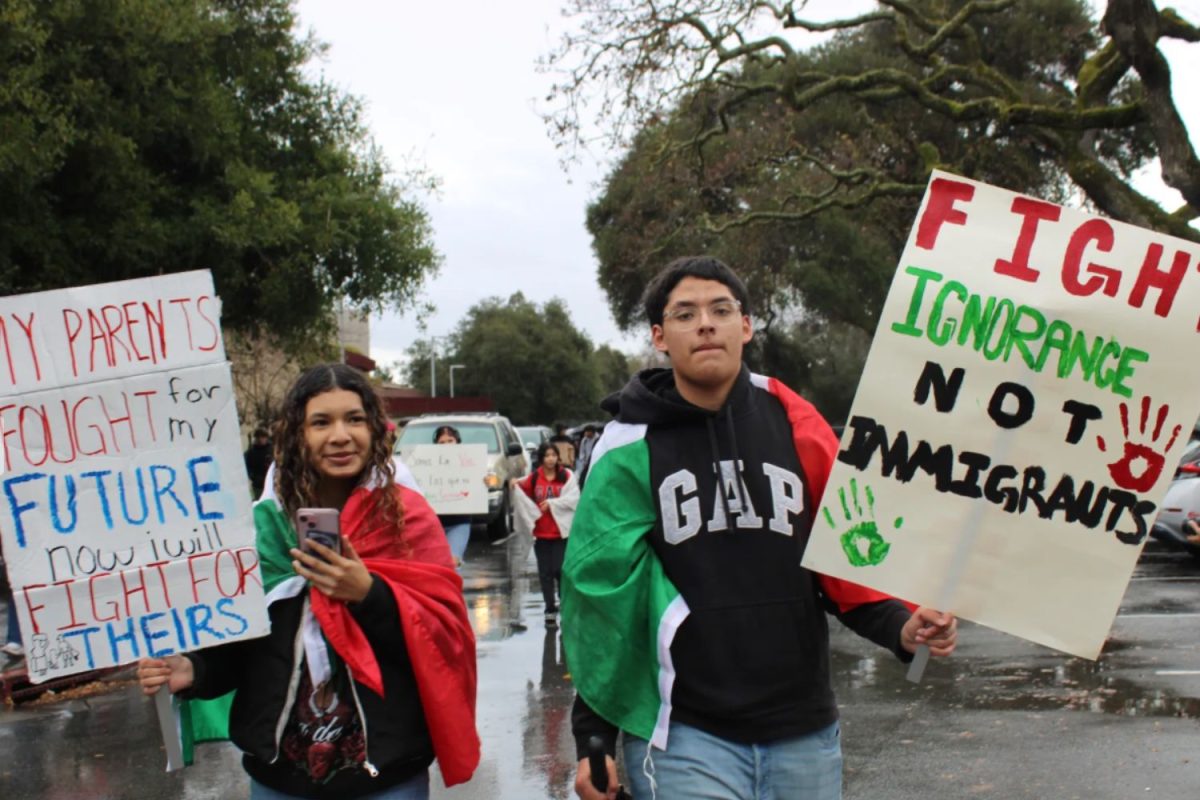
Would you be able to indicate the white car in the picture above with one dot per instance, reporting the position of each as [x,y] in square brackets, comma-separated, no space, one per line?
[506,456]
[1181,503]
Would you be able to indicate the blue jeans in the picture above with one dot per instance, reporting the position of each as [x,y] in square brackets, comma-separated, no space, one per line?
[699,766]
[413,789]
[457,537]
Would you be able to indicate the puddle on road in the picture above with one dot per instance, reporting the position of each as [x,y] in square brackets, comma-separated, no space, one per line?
[1046,684]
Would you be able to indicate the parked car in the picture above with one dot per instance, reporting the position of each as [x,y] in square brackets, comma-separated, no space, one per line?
[1189,465]
[1181,503]
[532,437]
[506,457]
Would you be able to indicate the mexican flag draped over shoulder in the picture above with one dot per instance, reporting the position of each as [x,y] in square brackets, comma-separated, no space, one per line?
[417,566]
[614,581]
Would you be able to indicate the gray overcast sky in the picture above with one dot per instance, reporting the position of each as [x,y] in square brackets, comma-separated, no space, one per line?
[452,86]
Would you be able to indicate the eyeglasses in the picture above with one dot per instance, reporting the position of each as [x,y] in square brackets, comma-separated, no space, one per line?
[687,317]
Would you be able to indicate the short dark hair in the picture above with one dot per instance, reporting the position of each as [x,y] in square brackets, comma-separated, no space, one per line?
[654,300]
[540,456]
[450,429]
[261,433]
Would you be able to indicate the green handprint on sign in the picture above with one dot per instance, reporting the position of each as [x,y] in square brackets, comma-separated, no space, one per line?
[862,542]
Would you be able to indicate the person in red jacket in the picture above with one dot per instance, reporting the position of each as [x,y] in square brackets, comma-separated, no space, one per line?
[541,485]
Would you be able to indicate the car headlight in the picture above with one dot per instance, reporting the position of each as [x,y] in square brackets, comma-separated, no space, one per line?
[492,480]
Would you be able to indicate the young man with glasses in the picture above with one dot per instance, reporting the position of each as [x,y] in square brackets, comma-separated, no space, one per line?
[688,621]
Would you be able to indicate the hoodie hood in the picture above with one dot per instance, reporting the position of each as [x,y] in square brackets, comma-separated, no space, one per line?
[650,398]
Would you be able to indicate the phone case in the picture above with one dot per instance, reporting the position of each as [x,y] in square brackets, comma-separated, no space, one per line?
[320,524]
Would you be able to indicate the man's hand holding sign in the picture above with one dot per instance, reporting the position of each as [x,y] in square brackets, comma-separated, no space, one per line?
[1048,355]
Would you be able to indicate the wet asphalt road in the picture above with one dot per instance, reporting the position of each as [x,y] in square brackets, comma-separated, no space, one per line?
[1002,719]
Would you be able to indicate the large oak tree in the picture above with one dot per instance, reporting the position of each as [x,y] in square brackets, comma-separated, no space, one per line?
[965,61]
[142,137]
[533,362]
[802,166]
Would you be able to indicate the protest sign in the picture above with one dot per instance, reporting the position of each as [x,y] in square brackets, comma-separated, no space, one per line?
[451,476]
[1030,386]
[124,503]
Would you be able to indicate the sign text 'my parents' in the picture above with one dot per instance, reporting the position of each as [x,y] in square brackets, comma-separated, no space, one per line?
[124,504]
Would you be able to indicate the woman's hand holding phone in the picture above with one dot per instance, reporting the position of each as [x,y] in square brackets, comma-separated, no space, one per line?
[337,576]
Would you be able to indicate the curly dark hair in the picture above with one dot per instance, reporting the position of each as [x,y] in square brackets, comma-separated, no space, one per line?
[295,477]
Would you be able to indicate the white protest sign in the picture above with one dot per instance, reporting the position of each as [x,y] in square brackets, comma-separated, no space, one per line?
[451,475]
[1030,386]
[89,333]
[124,503]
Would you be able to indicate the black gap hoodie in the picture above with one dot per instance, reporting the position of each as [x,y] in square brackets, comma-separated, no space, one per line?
[752,658]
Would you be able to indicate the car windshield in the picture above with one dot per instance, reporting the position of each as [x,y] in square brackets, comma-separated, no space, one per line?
[530,437]
[471,432]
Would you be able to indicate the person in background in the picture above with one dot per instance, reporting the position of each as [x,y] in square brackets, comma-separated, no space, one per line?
[457,526]
[566,447]
[1193,533]
[546,483]
[368,672]
[258,460]
[586,443]
[688,621]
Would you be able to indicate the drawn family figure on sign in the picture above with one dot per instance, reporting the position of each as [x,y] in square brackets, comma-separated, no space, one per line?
[1049,359]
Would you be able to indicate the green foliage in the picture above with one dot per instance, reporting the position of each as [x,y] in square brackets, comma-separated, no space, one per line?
[531,360]
[612,368]
[140,137]
[387,373]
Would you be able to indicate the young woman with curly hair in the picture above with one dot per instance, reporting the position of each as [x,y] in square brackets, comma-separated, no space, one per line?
[368,672]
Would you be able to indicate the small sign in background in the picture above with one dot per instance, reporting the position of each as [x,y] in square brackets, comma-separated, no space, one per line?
[451,475]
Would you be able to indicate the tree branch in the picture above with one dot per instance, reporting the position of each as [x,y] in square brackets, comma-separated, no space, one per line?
[1135,26]
[824,201]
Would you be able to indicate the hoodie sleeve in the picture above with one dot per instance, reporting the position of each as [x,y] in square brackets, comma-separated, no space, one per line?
[586,723]
[217,670]
[879,621]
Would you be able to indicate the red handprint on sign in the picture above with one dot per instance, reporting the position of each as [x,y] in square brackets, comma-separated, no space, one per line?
[1151,461]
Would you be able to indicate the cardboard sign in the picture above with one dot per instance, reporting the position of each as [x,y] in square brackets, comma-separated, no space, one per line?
[451,475]
[124,503]
[1030,387]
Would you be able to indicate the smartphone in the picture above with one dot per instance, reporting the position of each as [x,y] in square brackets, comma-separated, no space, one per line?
[320,525]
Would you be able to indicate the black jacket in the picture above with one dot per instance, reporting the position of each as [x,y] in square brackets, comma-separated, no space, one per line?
[265,673]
